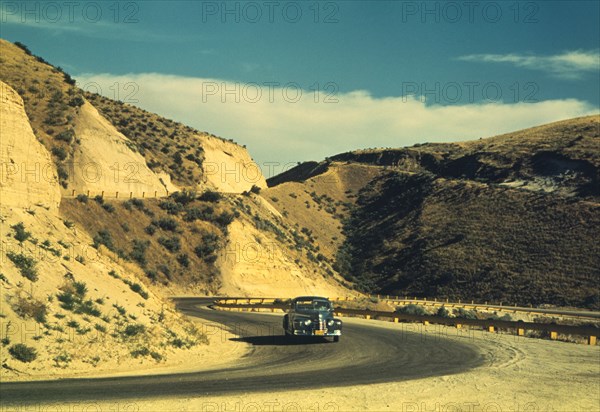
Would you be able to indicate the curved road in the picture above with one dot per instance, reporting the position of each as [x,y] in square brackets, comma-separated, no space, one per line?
[365,354]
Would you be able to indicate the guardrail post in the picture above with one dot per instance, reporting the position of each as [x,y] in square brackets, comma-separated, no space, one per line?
[553,335]
[88,193]
[591,340]
[73,192]
[520,332]
[396,321]
[130,195]
[155,193]
[367,316]
[143,195]
[116,195]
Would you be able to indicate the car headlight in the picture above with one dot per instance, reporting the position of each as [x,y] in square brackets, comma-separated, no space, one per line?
[330,322]
[307,322]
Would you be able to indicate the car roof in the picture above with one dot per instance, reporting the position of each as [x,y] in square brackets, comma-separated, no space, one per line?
[310,298]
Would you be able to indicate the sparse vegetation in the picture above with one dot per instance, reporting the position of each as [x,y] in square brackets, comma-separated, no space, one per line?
[210,196]
[21,235]
[104,238]
[28,307]
[62,360]
[465,314]
[132,330]
[25,264]
[412,310]
[137,288]
[72,297]
[443,312]
[171,207]
[167,224]
[172,244]
[138,252]
[23,353]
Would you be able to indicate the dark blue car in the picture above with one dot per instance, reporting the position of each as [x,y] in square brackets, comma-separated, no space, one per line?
[312,316]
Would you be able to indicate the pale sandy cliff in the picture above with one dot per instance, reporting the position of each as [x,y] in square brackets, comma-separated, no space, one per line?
[27,174]
[105,160]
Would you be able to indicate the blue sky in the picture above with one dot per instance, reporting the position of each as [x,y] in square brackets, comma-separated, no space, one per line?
[361,68]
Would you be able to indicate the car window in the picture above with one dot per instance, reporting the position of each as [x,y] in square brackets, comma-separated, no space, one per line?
[304,305]
[321,305]
[313,305]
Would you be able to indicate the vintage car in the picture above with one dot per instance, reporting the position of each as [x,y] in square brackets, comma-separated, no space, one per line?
[312,316]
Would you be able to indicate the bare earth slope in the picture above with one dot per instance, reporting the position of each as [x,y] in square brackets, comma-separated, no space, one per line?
[64,306]
[27,175]
[104,161]
[512,218]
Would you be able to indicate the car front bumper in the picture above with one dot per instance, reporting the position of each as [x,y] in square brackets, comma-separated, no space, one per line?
[311,332]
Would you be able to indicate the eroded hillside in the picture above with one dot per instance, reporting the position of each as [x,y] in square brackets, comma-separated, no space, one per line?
[105,210]
[511,218]
[63,305]
[122,171]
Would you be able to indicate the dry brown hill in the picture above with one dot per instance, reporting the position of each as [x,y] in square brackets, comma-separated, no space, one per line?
[511,218]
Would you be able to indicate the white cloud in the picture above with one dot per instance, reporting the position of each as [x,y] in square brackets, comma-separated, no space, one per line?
[569,65]
[277,130]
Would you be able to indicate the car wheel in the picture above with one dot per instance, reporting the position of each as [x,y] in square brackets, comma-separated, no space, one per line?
[336,338]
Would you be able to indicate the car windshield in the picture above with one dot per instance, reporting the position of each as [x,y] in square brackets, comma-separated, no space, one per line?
[313,305]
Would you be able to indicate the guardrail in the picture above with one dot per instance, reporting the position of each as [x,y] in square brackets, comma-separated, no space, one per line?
[396,300]
[491,325]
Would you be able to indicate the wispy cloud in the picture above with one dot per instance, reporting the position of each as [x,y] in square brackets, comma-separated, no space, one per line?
[101,29]
[277,126]
[568,65]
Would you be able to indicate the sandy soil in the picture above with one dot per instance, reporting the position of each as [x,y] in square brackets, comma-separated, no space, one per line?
[219,353]
[27,174]
[256,265]
[520,374]
[229,167]
[105,162]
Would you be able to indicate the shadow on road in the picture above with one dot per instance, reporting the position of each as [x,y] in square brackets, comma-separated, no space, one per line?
[280,340]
